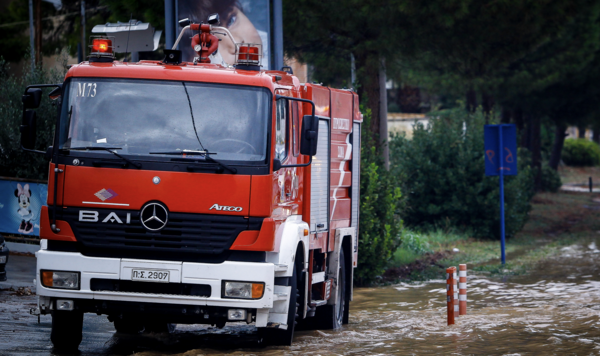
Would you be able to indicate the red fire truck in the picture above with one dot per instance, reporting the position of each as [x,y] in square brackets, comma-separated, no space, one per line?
[194,192]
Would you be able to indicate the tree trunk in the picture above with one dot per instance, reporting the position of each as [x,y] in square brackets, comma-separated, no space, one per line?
[505,116]
[581,131]
[383,122]
[536,149]
[487,102]
[523,120]
[596,133]
[37,4]
[559,141]
[369,74]
[471,100]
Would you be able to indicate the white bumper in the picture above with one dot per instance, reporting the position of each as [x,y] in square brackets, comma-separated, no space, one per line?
[180,272]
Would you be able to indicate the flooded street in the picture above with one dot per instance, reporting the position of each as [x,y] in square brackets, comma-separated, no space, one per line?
[554,310]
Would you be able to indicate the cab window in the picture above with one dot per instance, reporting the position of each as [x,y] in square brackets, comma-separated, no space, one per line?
[281,130]
[295,128]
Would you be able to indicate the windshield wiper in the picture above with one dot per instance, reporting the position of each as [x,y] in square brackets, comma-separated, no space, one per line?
[205,154]
[108,149]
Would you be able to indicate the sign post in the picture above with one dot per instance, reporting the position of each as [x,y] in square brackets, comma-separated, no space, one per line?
[501,160]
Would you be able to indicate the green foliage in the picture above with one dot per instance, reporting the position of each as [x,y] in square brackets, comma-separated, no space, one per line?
[380,204]
[445,183]
[415,242]
[581,152]
[551,181]
[13,161]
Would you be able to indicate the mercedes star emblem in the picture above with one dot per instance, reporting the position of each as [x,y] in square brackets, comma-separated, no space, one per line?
[154,216]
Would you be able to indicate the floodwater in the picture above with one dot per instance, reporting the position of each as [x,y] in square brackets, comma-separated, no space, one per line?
[554,310]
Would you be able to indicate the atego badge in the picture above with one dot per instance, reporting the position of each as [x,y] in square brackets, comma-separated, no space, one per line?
[154,216]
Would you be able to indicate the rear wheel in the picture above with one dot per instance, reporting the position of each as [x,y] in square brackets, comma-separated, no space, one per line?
[284,337]
[332,316]
[66,329]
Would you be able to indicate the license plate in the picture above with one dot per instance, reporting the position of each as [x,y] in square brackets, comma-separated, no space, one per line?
[150,275]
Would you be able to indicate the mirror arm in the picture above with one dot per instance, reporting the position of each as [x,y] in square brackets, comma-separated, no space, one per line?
[277,97]
[299,165]
[32,151]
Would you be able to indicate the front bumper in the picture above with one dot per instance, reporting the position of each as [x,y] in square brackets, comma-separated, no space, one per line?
[188,273]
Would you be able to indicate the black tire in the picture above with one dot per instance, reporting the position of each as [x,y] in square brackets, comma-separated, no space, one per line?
[66,331]
[158,327]
[332,316]
[128,324]
[284,337]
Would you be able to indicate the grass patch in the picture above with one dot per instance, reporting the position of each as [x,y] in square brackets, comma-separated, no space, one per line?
[556,220]
[579,175]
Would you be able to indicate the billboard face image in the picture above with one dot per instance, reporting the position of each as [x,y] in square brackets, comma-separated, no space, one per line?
[247,20]
[20,205]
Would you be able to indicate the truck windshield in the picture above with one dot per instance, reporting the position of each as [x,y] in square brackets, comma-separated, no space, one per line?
[144,116]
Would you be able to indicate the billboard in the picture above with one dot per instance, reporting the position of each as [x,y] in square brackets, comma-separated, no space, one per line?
[20,206]
[247,20]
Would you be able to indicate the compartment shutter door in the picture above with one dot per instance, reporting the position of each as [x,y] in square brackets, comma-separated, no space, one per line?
[319,194]
[355,193]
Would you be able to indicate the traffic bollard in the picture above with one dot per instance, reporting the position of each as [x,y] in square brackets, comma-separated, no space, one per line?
[456,309]
[450,273]
[462,289]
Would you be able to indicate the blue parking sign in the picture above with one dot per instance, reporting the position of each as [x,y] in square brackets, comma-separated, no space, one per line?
[500,157]
[501,160]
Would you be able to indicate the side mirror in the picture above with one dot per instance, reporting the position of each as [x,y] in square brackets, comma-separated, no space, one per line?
[184,22]
[28,129]
[55,94]
[32,98]
[310,135]
[213,19]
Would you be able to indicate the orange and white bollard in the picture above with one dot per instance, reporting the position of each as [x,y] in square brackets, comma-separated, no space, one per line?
[450,277]
[456,309]
[462,289]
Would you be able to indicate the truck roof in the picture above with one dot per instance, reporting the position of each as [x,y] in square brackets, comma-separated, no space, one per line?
[208,73]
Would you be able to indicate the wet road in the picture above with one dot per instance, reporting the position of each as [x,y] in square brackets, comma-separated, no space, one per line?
[552,311]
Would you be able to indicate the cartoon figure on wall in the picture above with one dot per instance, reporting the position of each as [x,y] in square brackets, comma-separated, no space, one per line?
[23,195]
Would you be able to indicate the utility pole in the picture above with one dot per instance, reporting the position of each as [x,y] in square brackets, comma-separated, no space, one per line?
[278,35]
[38,32]
[31,35]
[83,48]
[169,25]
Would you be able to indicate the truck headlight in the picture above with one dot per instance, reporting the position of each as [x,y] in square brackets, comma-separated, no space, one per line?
[60,279]
[243,290]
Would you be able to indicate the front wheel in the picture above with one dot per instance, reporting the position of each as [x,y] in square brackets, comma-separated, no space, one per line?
[128,324]
[284,337]
[66,329]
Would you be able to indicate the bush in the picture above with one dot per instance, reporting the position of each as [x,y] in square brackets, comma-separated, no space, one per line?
[550,179]
[443,177]
[581,152]
[379,224]
[14,162]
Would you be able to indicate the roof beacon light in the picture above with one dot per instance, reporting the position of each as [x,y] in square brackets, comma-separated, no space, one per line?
[102,50]
[100,45]
[248,56]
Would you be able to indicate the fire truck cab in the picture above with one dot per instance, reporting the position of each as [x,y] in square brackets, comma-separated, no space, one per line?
[192,192]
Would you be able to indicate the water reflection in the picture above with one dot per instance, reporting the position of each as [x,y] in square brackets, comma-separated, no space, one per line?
[552,311]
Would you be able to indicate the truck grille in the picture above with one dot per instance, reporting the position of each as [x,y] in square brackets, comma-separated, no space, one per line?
[124,286]
[185,235]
